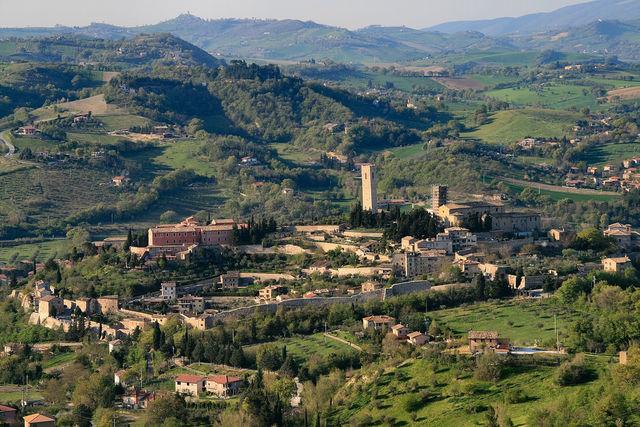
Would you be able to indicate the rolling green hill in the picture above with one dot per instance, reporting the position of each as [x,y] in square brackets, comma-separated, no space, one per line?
[135,51]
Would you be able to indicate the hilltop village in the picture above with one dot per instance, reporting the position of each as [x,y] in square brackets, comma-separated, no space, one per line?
[261,223]
[458,246]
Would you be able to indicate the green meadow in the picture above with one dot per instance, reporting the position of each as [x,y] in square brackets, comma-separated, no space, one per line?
[510,126]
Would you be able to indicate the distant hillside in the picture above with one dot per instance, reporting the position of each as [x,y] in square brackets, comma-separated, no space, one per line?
[262,104]
[435,42]
[570,29]
[286,39]
[597,38]
[570,16]
[135,51]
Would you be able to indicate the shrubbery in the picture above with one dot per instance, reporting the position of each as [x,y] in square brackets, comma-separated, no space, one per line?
[574,372]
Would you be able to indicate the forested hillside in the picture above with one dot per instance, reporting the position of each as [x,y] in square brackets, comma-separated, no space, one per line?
[263,104]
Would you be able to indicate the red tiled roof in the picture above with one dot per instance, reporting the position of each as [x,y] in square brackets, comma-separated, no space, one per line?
[223,379]
[37,418]
[7,409]
[483,335]
[186,378]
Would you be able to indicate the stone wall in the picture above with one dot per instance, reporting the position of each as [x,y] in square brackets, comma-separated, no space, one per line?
[406,288]
[395,290]
[326,247]
[329,229]
[363,234]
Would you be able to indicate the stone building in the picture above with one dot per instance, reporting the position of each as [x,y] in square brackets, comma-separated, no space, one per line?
[369,191]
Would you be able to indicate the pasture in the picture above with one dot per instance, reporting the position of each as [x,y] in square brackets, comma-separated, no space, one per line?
[610,153]
[524,322]
[552,95]
[447,395]
[509,126]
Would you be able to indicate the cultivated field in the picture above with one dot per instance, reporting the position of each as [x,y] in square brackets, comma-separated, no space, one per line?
[460,83]
[624,93]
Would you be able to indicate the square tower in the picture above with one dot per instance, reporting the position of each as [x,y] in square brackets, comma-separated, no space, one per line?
[369,183]
[439,196]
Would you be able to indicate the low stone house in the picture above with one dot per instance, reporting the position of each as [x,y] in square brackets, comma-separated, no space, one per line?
[616,265]
[378,322]
[482,341]
[223,385]
[190,385]
[417,338]
[400,331]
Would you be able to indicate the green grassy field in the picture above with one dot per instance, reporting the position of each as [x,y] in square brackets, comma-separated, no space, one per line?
[93,138]
[301,348]
[293,153]
[113,122]
[522,321]
[408,152]
[41,251]
[34,144]
[610,153]
[507,127]
[491,80]
[13,393]
[555,96]
[454,397]
[184,154]
[559,195]
[58,360]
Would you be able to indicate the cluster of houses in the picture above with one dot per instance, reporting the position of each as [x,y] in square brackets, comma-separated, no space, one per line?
[54,312]
[401,332]
[21,270]
[479,341]
[624,176]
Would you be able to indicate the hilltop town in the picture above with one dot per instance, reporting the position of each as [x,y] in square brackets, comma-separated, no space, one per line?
[441,253]
[381,227]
